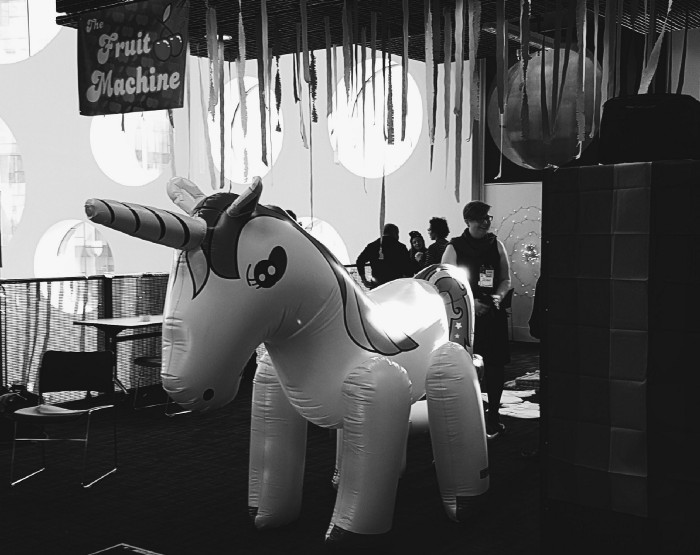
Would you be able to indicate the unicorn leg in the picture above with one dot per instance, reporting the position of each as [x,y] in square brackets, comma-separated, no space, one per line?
[277,452]
[457,432]
[377,399]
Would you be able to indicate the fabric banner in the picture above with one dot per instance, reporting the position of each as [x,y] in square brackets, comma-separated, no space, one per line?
[131,58]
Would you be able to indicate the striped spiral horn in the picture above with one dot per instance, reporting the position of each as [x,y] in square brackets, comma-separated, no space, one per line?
[152,224]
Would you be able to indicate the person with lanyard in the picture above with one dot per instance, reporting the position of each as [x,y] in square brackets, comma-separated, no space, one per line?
[484,257]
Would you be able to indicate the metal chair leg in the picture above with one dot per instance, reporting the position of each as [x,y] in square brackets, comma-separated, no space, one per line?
[12,460]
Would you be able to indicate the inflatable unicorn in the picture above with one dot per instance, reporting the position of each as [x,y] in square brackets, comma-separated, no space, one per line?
[366,365]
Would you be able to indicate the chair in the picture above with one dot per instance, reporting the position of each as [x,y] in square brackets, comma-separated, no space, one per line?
[154,362]
[68,371]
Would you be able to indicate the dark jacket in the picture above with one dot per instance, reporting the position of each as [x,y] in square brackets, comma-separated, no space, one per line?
[387,257]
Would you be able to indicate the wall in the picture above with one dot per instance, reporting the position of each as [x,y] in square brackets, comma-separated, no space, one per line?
[38,102]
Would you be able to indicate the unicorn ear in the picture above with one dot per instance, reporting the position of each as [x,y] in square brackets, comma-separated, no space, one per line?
[184,193]
[247,201]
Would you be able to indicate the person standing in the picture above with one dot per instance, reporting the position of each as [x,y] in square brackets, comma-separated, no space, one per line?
[438,232]
[484,257]
[417,252]
[387,257]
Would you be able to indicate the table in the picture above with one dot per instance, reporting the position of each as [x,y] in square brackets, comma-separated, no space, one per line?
[112,327]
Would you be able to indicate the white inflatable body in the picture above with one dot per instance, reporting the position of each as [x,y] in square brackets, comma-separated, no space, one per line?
[246,274]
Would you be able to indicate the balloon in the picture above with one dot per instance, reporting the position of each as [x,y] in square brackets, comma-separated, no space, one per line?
[338,357]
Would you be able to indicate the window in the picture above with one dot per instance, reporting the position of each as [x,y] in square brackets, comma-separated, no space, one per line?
[362,144]
[138,154]
[243,152]
[12,185]
[26,27]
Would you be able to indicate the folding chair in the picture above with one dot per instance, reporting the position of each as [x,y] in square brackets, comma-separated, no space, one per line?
[68,371]
[154,362]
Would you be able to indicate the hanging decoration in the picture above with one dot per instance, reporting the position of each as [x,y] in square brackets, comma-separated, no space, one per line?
[213,54]
[581,74]
[501,68]
[313,84]
[278,93]
[263,79]
[297,75]
[650,68]
[474,22]
[329,66]
[240,67]
[436,17]
[447,81]
[524,61]
[373,48]
[681,71]
[404,72]
[390,107]
[347,50]
[596,17]
[222,117]
[520,233]
[459,90]
[429,71]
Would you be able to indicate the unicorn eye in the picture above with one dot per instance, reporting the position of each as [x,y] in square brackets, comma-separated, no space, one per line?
[269,271]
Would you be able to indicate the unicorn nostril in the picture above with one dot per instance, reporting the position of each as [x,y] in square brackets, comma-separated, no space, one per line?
[208,395]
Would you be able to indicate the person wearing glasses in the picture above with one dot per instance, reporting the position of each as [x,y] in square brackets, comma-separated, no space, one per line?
[484,257]
[438,231]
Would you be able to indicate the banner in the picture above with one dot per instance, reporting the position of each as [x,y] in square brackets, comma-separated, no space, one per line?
[131,58]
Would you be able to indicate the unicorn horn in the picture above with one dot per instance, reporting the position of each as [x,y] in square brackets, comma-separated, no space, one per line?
[152,224]
[247,201]
[184,193]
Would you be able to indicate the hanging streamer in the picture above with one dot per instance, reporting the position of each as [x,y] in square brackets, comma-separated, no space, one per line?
[429,70]
[222,117]
[262,90]
[581,89]
[171,142]
[329,66]
[459,89]
[390,107]
[297,55]
[404,73]
[543,107]
[607,34]
[207,138]
[382,205]
[501,70]
[363,41]
[524,61]
[681,71]
[213,54]
[474,19]
[347,51]
[570,25]
[305,41]
[242,97]
[650,69]
[313,85]
[448,82]
[334,95]
[278,93]
[618,46]
[596,15]
[373,47]
[437,10]
[555,65]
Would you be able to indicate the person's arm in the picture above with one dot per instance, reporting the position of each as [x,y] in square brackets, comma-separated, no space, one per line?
[504,271]
[360,263]
[449,256]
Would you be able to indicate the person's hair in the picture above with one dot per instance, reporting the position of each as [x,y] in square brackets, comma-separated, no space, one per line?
[439,227]
[475,210]
[413,234]
[391,229]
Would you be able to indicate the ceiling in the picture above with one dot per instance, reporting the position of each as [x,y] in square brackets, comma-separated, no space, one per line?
[284,19]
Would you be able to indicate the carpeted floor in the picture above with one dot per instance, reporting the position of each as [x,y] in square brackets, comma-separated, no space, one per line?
[181,489]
